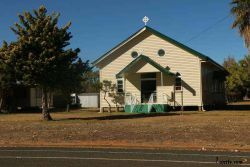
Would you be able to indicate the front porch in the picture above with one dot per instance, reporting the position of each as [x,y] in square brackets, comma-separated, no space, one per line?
[144,105]
[147,86]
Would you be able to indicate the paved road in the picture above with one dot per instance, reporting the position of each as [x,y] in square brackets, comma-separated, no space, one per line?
[89,157]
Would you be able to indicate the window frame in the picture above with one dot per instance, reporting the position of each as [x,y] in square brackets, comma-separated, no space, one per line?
[117,85]
[179,86]
[134,54]
[161,52]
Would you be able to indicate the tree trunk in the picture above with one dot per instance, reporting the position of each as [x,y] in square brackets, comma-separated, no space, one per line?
[50,99]
[68,107]
[45,110]
[1,103]
[11,101]
[116,108]
[1,100]
[109,109]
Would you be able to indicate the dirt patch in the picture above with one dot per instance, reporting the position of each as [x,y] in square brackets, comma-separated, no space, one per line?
[216,130]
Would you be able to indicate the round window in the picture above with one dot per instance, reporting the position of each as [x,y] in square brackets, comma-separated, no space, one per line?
[161,52]
[134,54]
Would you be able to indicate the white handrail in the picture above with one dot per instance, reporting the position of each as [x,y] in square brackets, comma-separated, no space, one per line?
[128,98]
[152,97]
[131,99]
[166,98]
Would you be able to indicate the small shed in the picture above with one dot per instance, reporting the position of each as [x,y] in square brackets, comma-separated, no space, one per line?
[89,100]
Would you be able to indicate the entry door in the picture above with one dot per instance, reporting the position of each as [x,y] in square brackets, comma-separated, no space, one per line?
[147,88]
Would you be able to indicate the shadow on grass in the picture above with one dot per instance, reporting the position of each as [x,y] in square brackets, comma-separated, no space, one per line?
[35,111]
[238,107]
[114,117]
[230,107]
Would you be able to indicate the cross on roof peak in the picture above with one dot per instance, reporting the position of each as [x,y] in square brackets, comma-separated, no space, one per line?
[145,20]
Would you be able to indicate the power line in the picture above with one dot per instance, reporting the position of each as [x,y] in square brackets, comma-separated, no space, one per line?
[208,28]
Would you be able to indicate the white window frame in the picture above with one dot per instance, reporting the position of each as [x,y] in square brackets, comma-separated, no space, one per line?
[120,79]
[175,87]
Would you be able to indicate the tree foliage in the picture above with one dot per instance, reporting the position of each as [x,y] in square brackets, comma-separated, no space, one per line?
[9,76]
[241,11]
[107,87]
[43,57]
[110,90]
[245,64]
[238,80]
[117,98]
[91,82]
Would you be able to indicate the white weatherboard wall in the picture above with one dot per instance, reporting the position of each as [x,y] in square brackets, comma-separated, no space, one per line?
[177,59]
[89,100]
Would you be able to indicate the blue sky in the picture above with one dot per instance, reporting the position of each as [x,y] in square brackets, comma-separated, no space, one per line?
[98,25]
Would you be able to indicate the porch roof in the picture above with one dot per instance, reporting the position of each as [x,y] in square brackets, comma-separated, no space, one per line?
[147,60]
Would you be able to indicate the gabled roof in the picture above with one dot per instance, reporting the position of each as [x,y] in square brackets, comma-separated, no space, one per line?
[164,37]
[147,60]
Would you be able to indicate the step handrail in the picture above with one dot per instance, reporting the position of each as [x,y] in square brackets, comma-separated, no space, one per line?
[152,97]
[132,100]
[166,98]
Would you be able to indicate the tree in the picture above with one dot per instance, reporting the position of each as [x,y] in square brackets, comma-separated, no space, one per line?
[41,45]
[8,75]
[107,87]
[235,81]
[90,83]
[241,10]
[117,99]
[11,78]
[72,79]
[245,64]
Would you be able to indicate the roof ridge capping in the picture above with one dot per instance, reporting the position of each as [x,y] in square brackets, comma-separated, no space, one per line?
[166,38]
[119,45]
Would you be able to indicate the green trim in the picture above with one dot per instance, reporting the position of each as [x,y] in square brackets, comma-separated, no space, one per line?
[166,38]
[105,54]
[184,47]
[176,43]
[147,60]
[147,108]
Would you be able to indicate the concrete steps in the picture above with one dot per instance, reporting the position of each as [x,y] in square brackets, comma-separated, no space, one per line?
[147,108]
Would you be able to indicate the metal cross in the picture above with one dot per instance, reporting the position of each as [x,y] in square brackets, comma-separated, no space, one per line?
[145,20]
